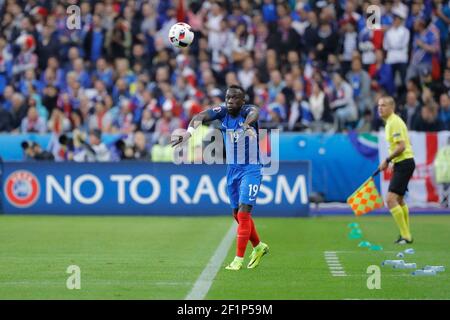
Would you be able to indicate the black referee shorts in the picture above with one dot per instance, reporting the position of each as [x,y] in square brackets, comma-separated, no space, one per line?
[403,171]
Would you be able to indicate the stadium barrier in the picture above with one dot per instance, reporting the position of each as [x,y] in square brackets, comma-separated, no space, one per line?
[142,188]
[339,162]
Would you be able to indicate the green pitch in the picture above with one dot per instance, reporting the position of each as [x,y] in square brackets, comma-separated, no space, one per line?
[162,257]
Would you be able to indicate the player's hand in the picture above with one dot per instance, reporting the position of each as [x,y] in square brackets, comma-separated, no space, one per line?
[249,130]
[383,165]
[177,139]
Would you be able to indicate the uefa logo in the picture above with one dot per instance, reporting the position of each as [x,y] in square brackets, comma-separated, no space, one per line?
[22,189]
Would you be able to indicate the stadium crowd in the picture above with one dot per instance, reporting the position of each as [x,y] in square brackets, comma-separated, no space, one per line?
[309,65]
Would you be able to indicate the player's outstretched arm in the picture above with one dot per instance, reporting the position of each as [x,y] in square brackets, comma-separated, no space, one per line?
[252,116]
[196,121]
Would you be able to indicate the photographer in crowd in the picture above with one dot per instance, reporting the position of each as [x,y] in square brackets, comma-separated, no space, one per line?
[94,151]
[33,152]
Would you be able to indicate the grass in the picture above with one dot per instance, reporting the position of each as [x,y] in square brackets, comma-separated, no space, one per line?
[161,258]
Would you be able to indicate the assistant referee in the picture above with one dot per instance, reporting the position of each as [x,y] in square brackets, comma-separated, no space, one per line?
[402,157]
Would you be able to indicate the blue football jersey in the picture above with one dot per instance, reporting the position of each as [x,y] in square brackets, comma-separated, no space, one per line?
[241,150]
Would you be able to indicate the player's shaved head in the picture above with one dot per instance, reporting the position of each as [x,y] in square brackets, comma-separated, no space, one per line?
[238,88]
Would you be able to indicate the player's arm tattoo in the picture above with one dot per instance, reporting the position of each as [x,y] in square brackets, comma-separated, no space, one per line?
[252,116]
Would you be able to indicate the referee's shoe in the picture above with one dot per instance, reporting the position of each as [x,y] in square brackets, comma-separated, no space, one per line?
[402,240]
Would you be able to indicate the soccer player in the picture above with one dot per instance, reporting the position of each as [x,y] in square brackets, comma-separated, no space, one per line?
[402,157]
[240,130]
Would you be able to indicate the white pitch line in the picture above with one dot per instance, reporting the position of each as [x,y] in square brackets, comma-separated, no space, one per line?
[204,281]
[332,260]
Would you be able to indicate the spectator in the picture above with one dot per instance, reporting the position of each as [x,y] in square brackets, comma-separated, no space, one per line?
[444,110]
[328,43]
[286,38]
[103,72]
[101,119]
[349,44]
[40,155]
[311,34]
[166,125]
[277,110]
[50,98]
[242,43]
[247,74]
[32,122]
[5,62]
[425,46]
[445,85]
[140,151]
[365,123]
[411,109]
[118,39]
[359,79]
[381,74]
[343,106]
[27,59]
[162,151]
[77,121]
[366,47]
[5,120]
[7,97]
[319,104]
[269,47]
[94,151]
[428,120]
[442,12]
[18,110]
[94,40]
[28,153]
[276,84]
[125,120]
[47,46]
[396,42]
[319,107]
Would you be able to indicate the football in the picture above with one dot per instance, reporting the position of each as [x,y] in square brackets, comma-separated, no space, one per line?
[181,35]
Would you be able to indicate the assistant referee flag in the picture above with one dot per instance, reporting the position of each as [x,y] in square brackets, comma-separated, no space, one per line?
[366,198]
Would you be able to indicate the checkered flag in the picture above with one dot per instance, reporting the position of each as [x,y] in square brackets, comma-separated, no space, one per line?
[366,198]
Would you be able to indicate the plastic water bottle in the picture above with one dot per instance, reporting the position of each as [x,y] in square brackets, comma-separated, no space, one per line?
[400,255]
[435,268]
[392,262]
[405,266]
[421,272]
[409,251]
